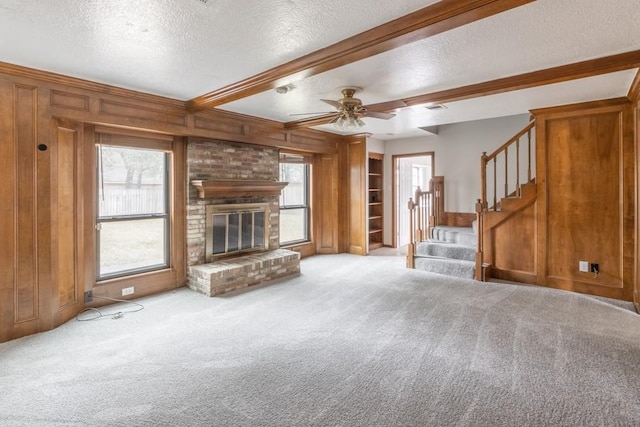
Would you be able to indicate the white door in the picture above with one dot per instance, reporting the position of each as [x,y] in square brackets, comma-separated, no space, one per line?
[411,173]
[404,192]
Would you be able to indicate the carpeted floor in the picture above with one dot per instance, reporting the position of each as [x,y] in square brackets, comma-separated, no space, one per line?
[353,341]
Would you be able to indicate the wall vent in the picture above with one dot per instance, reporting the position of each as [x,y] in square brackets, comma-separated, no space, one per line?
[434,107]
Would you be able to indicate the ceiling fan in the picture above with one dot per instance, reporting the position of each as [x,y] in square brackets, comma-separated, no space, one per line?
[349,112]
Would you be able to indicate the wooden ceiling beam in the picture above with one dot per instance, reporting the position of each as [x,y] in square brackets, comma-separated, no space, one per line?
[634,89]
[431,20]
[563,73]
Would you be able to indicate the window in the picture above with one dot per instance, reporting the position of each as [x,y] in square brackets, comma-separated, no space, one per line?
[294,200]
[133,210]
[420,177]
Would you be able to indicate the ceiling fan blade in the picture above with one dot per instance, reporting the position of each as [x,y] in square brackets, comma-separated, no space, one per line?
[332,103]
[309,114]
[378,115]
[387,106]
[335,119]
[312,121]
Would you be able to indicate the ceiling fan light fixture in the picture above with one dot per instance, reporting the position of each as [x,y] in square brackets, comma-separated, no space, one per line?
[348,122]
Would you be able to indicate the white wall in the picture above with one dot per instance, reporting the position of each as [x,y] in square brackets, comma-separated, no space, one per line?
[457,149]
[375,146]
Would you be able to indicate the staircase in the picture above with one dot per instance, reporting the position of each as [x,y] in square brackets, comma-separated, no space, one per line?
[449,250]
[508,193]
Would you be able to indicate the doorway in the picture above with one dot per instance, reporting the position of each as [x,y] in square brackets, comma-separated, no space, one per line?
[410,171]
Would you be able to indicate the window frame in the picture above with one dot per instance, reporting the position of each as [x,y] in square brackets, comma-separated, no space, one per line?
[291,158]
[143,143]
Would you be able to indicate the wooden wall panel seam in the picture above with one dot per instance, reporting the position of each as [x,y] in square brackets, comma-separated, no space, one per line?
[27,143]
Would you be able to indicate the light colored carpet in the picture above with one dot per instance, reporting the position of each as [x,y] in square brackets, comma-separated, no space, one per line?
[353,341]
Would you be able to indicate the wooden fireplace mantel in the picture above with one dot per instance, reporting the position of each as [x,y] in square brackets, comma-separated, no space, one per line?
[237,188]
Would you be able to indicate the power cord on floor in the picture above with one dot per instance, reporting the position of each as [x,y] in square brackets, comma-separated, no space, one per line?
[114,315]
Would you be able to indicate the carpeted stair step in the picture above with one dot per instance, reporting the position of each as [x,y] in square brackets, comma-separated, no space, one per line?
[460,235]
[445,250]
[447,266]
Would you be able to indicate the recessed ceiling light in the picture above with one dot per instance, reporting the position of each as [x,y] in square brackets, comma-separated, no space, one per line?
[285,89]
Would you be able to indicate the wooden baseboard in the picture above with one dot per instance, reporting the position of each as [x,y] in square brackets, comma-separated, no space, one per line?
[514,276]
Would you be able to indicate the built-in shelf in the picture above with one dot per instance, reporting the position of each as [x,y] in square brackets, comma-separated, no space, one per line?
[237,188]
[375,202]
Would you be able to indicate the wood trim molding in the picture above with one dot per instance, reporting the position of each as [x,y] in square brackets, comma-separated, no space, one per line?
[581,107]
[83,101]
[431,20]
[49,77]
[634,89]
[237,188]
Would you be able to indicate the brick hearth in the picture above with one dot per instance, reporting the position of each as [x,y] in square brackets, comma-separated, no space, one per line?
[241,272]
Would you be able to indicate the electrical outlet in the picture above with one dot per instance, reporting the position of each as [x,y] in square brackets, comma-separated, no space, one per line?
[595,268]
[88,296]
[584,266]
[128,291]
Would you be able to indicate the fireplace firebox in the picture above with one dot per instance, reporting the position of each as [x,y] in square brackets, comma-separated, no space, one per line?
[236,229]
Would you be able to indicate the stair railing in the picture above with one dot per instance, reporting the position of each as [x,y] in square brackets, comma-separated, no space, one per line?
[512,167]
[514,175]
[426,210]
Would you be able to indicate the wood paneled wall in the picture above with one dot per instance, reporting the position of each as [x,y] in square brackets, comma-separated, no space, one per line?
[67,192]
[636,111]
[358,195]
[326,203]
[509,239]
[586,197]
[19,290]
[47,125]
[459,219]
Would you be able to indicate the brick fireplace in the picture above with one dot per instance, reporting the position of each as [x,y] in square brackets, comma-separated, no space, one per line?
[227,182]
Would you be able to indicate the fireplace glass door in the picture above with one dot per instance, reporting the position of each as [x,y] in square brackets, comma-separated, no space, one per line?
[233,229]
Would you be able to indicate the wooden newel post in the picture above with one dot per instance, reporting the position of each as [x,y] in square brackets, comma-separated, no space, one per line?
[411,248]
[479,231]
[483,177]
[418,215]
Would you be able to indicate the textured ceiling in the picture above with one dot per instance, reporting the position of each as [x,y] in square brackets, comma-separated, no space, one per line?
[185,48]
